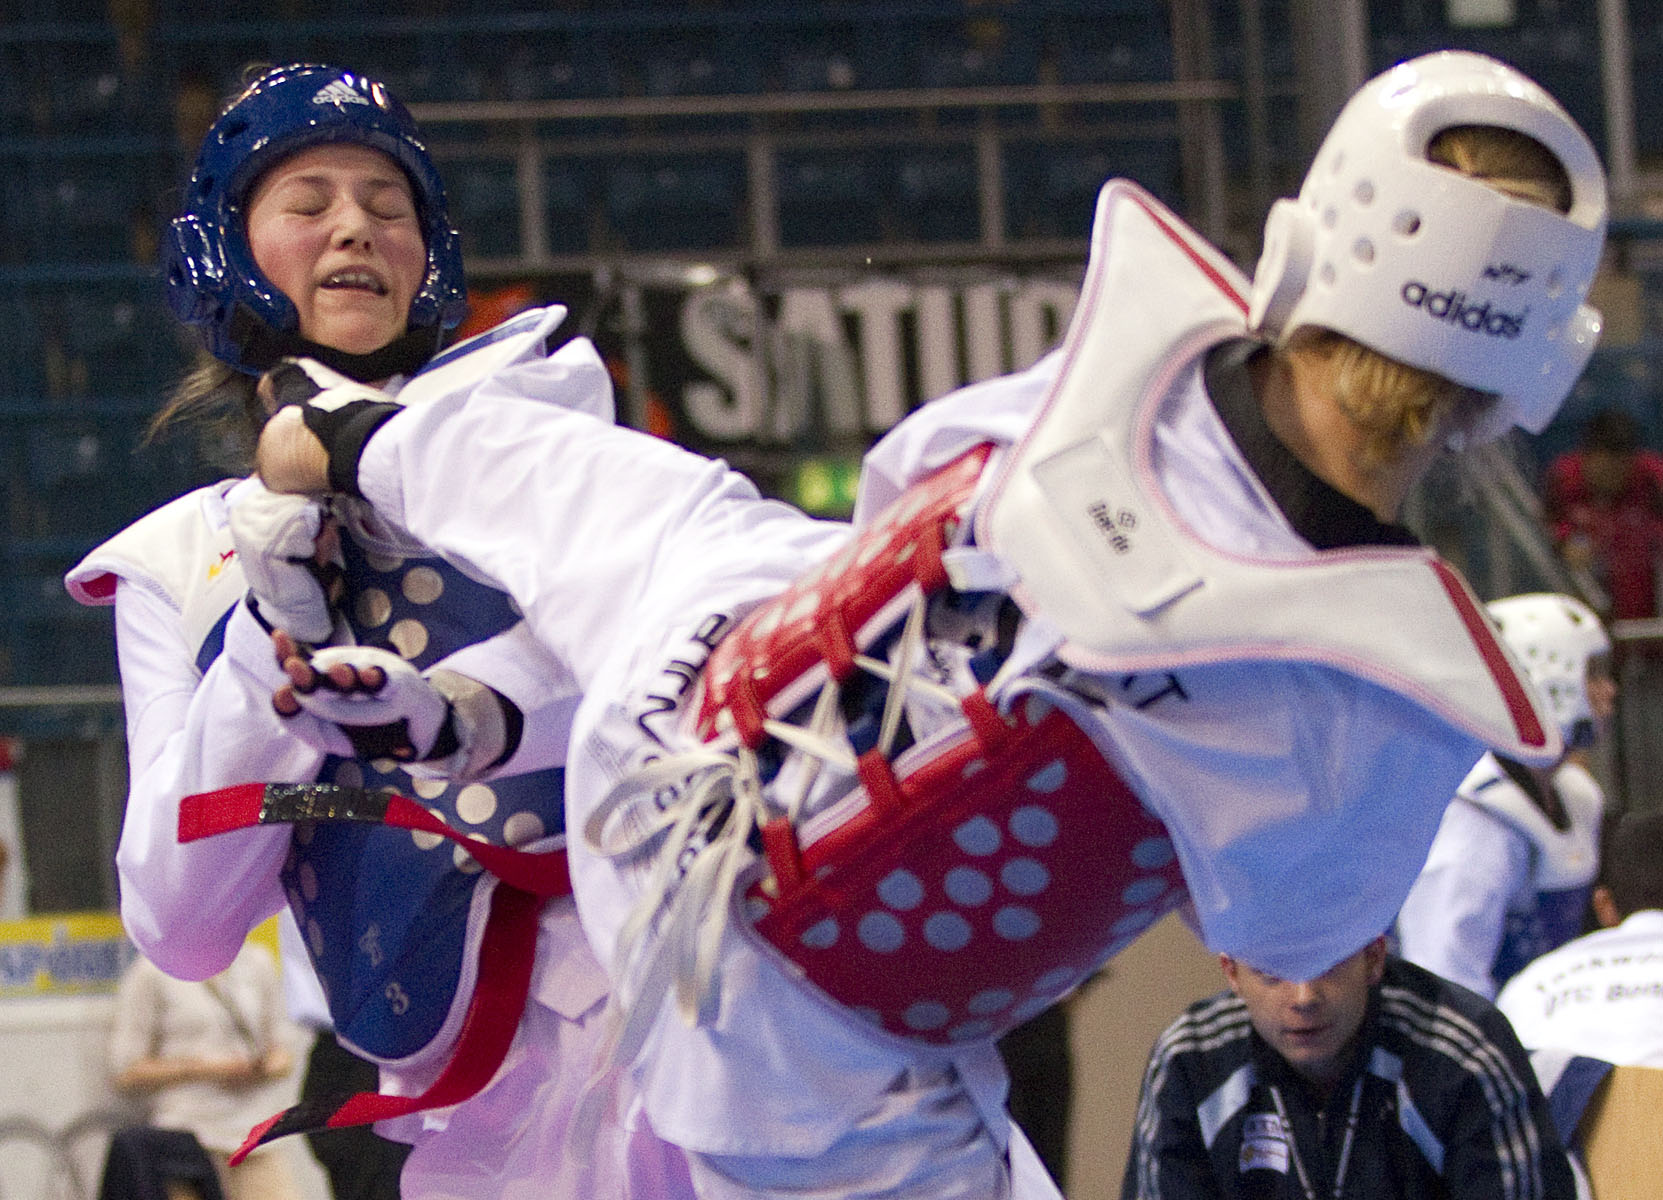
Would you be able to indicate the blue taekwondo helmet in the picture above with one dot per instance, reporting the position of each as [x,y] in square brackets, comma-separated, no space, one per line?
[212,280]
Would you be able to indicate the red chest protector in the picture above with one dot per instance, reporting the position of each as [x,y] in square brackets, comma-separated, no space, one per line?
[968,883]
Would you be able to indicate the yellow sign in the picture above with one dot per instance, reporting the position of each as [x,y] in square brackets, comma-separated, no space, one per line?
[62,955]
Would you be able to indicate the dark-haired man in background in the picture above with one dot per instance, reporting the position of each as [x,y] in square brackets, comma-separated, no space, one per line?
[1375,1079]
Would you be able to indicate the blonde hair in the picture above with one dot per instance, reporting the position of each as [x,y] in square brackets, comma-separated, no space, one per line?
[220,403]
[1401,406]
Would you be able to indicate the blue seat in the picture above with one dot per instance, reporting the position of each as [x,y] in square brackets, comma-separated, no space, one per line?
[835,58]
[699,63]
[1112,47]
[1052,186]
[22,366]
[830,198]
[111,339]
[571,200]
[484,197]
[80,208]
[49,638]
[936,194]
[983,52]
[682,202]
[556,66]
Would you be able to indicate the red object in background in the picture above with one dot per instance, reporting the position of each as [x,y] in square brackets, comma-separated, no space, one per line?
[10,751]
[487,310]
[1623,526]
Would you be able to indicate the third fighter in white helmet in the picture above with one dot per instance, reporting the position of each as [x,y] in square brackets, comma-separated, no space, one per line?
[1510,872]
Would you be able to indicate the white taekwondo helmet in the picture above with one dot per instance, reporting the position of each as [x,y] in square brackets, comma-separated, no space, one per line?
[1431,267]
[1554,636]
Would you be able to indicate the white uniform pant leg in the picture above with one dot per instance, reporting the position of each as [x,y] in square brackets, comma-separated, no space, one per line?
[785,1093]
[511,1142]
[924,1139]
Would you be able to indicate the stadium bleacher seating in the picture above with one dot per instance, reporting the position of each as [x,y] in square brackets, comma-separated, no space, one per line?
[90,169]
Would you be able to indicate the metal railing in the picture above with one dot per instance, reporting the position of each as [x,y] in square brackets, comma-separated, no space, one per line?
[1050,113]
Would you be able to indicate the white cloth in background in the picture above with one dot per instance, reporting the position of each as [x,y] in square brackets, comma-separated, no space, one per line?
[1600,996]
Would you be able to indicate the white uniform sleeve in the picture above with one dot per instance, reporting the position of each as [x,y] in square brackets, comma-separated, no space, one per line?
[997,410]
[1453,921]
[188,908]
[587,526]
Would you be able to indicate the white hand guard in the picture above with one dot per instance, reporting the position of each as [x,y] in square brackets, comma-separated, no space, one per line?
[405,719]
[276,538]
[442,725]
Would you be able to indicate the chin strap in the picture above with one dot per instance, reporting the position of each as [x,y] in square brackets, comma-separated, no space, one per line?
[263,347]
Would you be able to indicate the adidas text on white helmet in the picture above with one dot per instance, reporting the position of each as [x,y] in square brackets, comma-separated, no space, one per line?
[1431,267]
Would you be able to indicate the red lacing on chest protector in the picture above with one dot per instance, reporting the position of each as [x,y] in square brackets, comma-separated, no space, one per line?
[973,882]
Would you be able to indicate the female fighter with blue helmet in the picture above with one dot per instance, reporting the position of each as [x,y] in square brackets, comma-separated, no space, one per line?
[315,224]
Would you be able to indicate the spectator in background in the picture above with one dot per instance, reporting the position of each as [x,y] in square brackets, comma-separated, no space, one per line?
[1509,874]
[1601,996]
[13,891]
[202,1053]
[1374,1079]
[1605,508]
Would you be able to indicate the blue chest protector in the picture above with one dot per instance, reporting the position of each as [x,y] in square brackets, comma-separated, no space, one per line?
[392,918]
[1554,918]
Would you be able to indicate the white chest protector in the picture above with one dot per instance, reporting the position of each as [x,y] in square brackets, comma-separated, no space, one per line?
[1560,858]
[1548,908]
[181,552]
[1101,553]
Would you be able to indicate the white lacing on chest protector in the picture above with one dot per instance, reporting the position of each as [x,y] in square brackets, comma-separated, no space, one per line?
[673,934]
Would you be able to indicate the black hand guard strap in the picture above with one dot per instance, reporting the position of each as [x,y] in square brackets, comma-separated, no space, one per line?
[393,741]
[343,430]
[513,729]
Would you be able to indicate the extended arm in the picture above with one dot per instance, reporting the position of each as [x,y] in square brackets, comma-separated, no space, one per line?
[581,522]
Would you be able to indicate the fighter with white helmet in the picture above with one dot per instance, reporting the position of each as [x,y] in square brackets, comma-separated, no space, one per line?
[1129,628]
[1510,873]
[1483,281]
[1565,650]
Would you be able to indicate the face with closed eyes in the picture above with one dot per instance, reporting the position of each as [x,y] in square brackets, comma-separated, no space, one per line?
[334,228]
